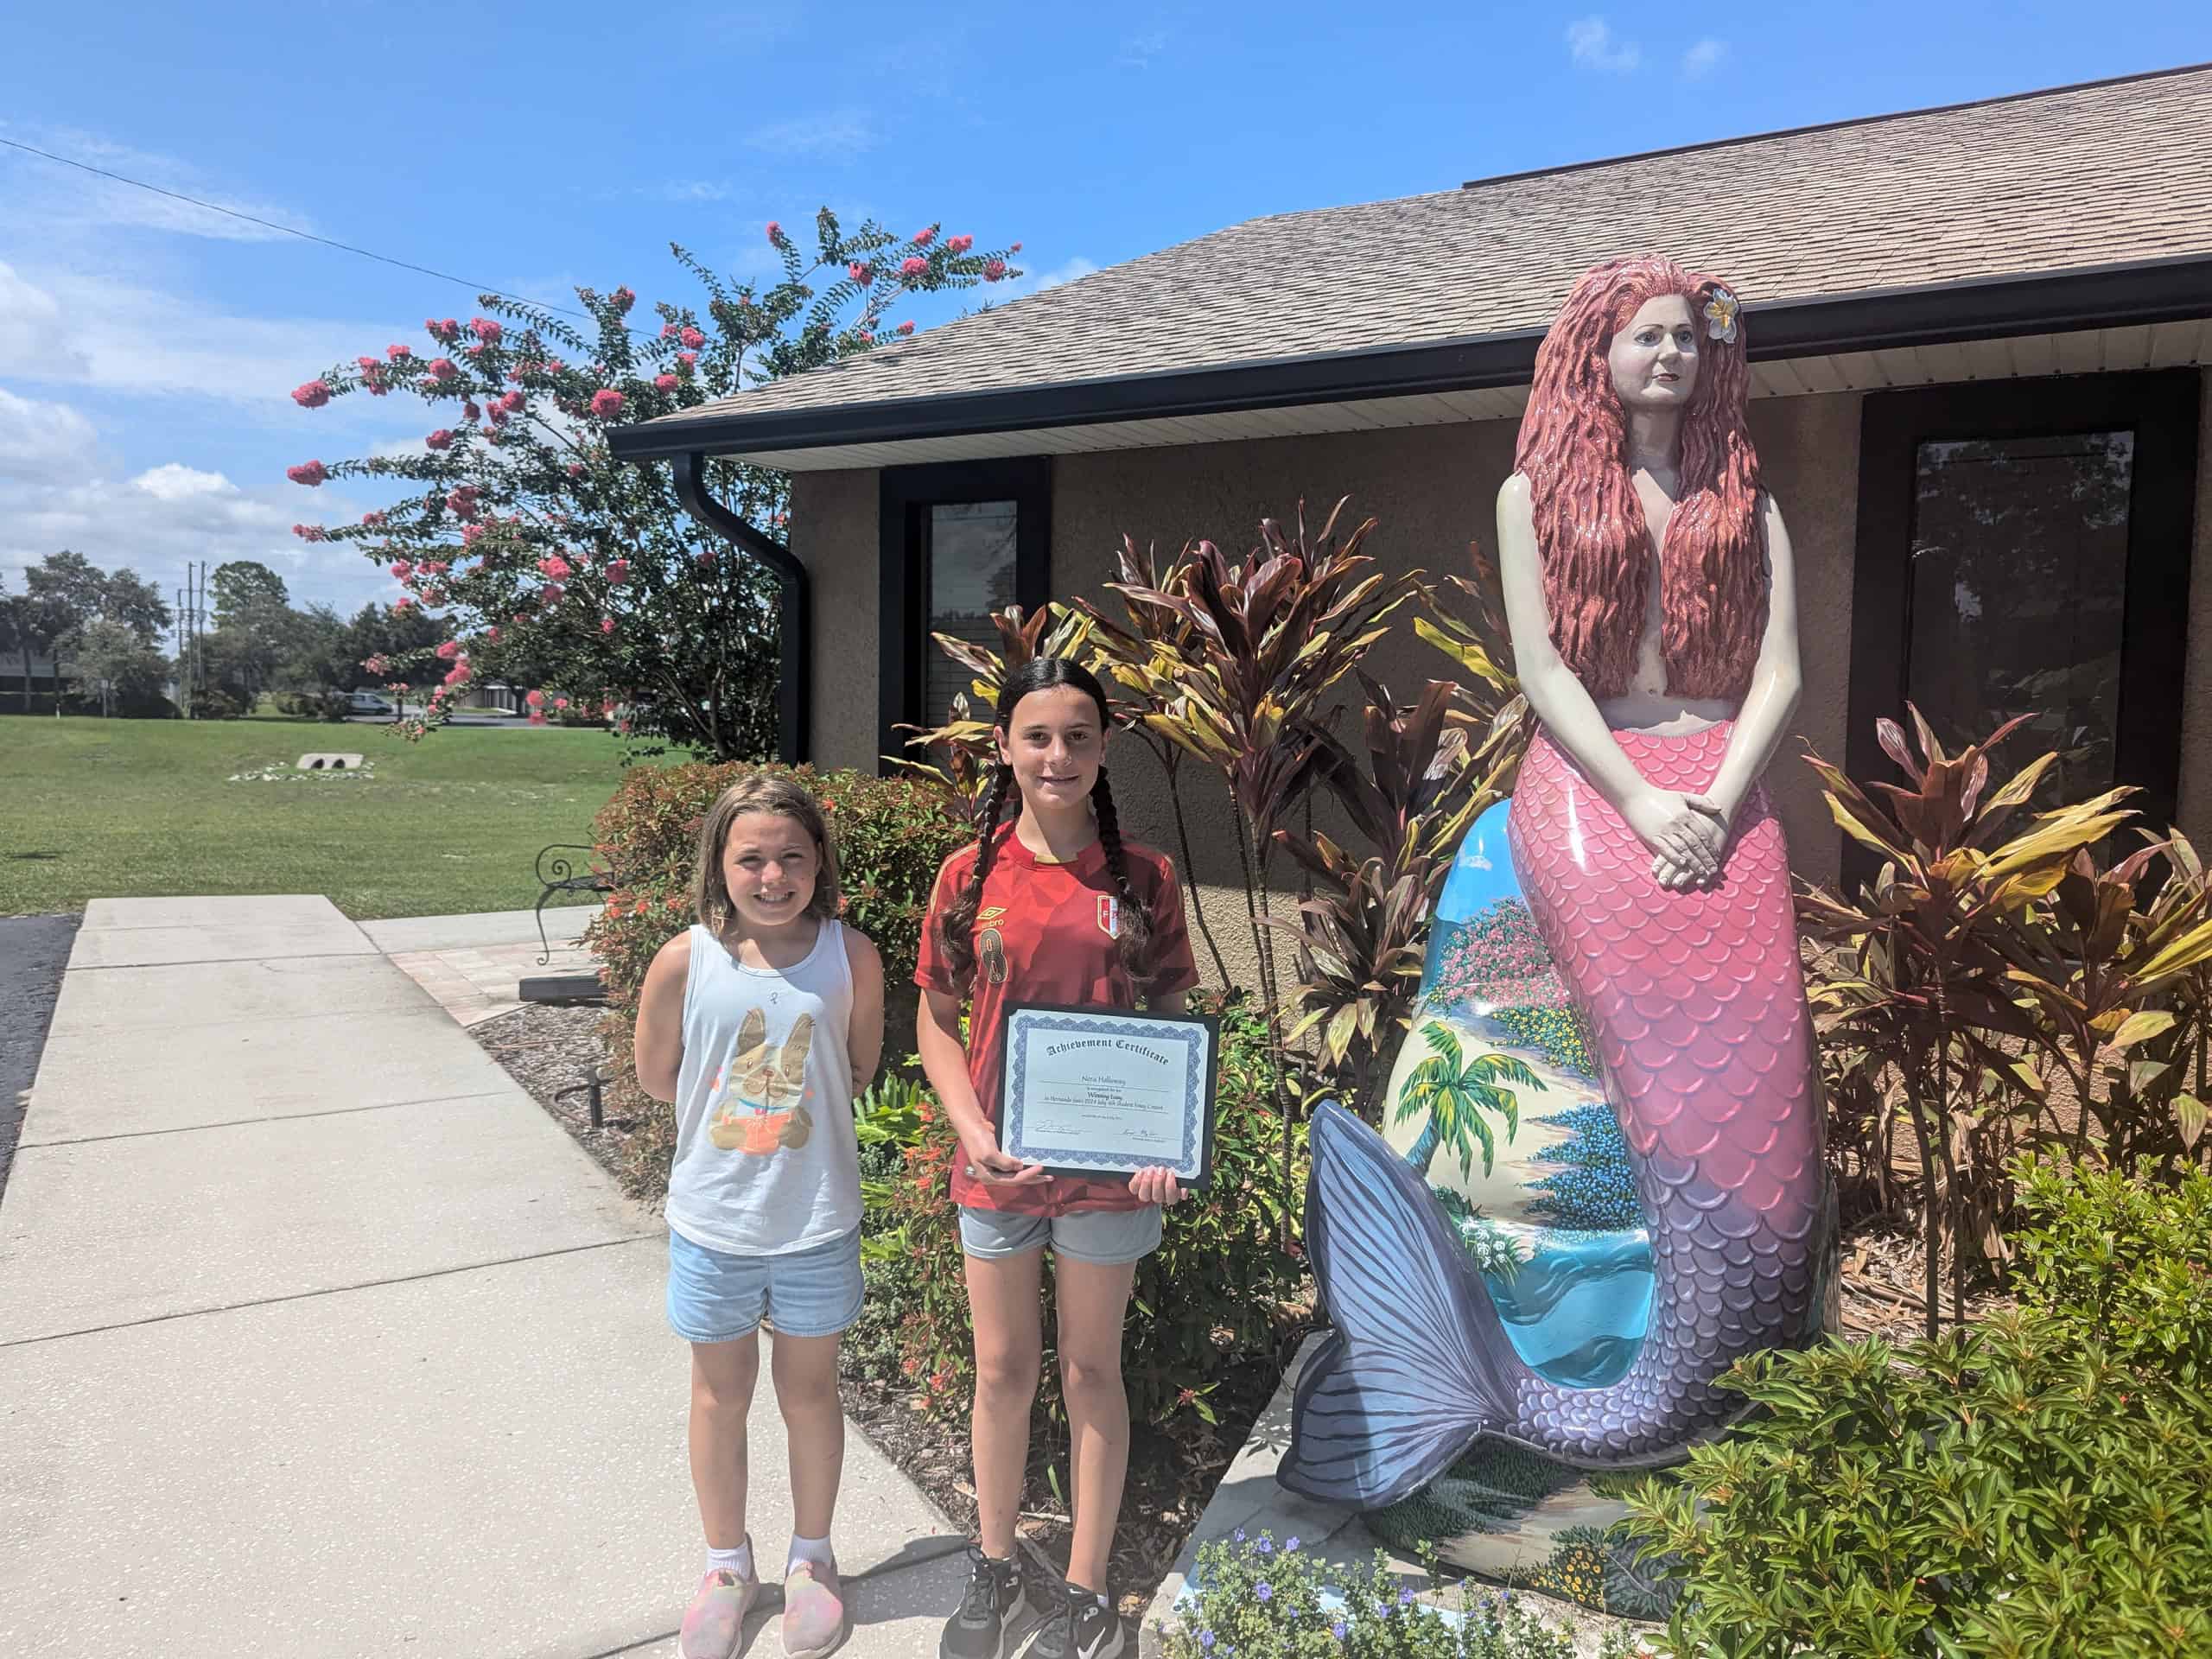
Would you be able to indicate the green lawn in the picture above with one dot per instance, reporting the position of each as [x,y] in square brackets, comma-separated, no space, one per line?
[93,809]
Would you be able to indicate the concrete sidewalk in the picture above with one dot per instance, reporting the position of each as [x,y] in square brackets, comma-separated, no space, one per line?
[317,1336]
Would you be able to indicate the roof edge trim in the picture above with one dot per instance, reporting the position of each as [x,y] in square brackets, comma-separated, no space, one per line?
[1980,307]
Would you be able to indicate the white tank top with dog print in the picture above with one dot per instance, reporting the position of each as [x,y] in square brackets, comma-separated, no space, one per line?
[765,1157]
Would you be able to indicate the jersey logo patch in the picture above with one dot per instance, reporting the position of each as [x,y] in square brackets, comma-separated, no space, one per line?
[990,914]
[1109,915]
[990,950]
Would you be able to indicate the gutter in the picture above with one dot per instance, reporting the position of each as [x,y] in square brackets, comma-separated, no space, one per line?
[1981,308]
[794,646]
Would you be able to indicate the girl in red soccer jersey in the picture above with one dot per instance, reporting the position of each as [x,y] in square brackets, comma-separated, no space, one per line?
[1050,908]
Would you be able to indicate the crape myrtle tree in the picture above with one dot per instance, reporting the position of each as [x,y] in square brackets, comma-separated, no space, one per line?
[547,555]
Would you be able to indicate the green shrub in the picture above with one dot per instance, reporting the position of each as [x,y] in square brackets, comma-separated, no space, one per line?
[2120,1262]
[1254,1598]
[1208,1300]
[2030,1488]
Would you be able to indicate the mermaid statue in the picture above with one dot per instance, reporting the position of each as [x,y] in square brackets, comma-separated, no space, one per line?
[1640,952]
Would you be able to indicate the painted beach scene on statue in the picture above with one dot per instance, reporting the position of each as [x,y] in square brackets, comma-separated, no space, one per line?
[1495,1101]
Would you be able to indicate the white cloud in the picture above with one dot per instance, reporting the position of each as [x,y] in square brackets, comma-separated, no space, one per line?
[172,515]
[1702,59]
[57,198]
[40,440]
[173,481]
[70,327]
[834,134]
[1592,43]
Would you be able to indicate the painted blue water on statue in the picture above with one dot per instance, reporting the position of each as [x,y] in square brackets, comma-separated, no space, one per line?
[1576,1309]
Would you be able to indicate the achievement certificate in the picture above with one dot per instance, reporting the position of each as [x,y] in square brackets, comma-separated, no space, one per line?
[1110,1092]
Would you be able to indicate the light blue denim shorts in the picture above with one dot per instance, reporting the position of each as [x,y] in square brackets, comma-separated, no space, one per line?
[1108,1238]
[713,1297]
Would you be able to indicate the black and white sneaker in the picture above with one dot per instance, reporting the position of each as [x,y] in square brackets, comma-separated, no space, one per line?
[1097,1628]
[989,1610]
[1082,1626]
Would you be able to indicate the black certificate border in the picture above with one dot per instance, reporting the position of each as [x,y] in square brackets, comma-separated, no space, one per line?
[1210,1022]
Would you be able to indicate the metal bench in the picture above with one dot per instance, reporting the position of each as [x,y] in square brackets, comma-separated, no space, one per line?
[557,871]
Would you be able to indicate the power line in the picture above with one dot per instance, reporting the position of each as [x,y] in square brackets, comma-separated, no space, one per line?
[305,236]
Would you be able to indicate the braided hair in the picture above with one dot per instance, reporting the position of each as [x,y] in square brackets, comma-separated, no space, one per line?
[956,923]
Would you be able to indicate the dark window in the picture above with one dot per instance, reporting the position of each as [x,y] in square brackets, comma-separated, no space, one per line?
[959,542]
[970,554]
[2023,549]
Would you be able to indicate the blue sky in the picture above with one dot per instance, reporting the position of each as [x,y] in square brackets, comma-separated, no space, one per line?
[146,349]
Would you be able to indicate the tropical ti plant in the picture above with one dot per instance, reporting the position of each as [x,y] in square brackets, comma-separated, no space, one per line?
[1138,654]
[1362,935]
[963,747]
[1455,1091]
[1923,985]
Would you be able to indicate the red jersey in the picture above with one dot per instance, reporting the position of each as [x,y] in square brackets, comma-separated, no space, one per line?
[1044,932]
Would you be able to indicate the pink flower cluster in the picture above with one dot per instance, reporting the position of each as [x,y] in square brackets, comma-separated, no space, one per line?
[666,382]
[311,532]
[395,352]
[444,368]
[449,650]
[312,394]
[554,568]
[775,233]
[486,329]
[693,339]
[402,570]
[687,358]
[373,519]
[441,439]
[462,502]
[618,572]
[310,473]
[959,244]
[994,269]
[446,332]
[622,299]
[865,274]
[913,267]
[606,403]
[924,238]
[906,327]
[512,402]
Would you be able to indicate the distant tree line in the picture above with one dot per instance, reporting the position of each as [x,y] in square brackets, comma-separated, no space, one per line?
[77,640]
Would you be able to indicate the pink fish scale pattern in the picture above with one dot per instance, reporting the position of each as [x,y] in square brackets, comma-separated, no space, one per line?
[1696,1003]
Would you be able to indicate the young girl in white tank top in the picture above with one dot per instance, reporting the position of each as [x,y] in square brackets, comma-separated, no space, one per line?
[760,1023]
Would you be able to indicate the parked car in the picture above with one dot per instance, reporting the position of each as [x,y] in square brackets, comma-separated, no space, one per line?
[368,703]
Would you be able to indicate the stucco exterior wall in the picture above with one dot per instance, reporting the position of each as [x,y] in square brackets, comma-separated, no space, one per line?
[834,531]
[1434,490]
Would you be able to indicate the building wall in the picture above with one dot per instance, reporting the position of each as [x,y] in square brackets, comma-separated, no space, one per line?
[1434,490]
[834,532]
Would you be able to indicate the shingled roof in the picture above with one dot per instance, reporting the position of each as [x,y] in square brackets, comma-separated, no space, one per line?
[2080,179]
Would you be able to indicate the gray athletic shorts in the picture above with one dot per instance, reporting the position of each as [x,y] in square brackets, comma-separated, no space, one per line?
[1107,1237]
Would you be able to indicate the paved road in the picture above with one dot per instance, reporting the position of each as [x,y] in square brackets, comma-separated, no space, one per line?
[33,951]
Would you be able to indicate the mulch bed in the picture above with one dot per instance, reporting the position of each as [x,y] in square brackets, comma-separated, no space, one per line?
[1172,1476]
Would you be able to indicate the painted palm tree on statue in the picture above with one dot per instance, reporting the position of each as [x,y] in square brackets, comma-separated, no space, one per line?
[1456,1092]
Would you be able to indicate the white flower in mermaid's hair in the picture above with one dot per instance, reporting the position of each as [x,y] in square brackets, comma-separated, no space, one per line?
[1720,315]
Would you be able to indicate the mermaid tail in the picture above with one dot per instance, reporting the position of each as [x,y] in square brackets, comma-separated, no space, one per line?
[1696,1006]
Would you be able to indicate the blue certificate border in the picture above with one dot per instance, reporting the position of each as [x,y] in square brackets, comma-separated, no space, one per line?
[1200,1035]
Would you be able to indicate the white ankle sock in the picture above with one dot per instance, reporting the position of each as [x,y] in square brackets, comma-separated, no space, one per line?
[815,1551]
[737,1560]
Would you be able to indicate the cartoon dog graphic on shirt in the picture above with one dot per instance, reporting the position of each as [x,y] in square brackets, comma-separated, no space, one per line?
[762,1106]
